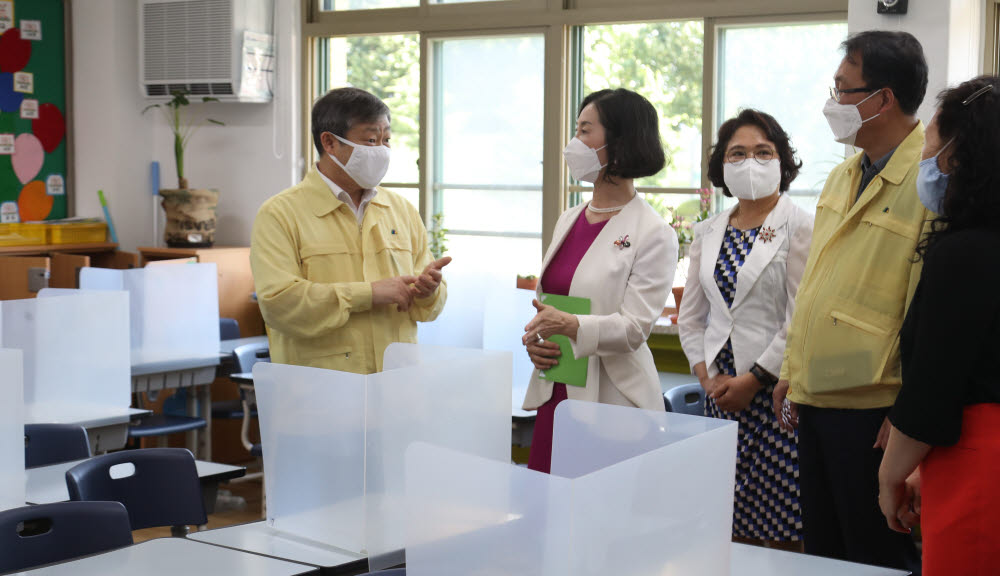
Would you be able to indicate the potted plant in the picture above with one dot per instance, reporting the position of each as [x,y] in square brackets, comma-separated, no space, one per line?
[437,240]
[190,211]
[683,219]
[529,282]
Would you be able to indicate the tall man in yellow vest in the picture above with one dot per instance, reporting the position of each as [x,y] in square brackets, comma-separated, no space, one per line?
[341,265]
[841,368]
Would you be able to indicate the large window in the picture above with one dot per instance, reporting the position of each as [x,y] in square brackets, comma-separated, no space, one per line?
[484,96]
[794,92]
[663,62]
[487,102]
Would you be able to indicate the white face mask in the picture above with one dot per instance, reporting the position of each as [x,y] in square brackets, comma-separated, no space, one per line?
[752,180]
[367,164]
[584,165]
[845,119]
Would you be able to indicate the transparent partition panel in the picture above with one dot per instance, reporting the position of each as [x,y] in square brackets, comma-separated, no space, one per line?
[459,326]
[653,491]
[405,355]
[174,310]
[76,348]
[462,403]
[11,430]
[179,308]
[507,312]
[101,279]
[313,439]
[471,516]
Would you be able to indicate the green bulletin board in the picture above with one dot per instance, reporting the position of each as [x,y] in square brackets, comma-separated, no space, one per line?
[33,142]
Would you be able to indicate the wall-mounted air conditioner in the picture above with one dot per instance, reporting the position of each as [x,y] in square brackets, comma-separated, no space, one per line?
[218,48]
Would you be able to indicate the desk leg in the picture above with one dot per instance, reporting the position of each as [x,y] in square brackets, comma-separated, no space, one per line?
[191,436]
[205,440]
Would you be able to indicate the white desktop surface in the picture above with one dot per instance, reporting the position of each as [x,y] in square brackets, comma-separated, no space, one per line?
[259,538]
[144,364]
[227,346]
[748,560]
[172,557]
[47,484]
[87,416]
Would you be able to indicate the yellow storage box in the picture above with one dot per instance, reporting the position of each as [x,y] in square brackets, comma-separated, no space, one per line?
[77,232]
[21,234]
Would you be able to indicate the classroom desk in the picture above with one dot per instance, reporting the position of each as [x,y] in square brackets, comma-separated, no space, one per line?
[746,560]
[151,374]
[172,557]
[226,347]
[259,538]
[107,427]
[47,484]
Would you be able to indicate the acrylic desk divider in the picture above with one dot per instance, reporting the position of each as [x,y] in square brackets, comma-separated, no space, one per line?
[334,443]
[75,350]
[632,492]
[11,430]
[174,309]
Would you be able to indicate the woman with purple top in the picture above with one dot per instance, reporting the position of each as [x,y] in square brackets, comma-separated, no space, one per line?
[614,250]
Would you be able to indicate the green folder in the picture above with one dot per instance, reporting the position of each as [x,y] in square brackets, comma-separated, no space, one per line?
[570,371]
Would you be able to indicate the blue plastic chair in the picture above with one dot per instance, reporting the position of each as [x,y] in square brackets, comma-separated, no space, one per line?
[162,490]
[229,329]
[686,399]
[36,535]
[46,444]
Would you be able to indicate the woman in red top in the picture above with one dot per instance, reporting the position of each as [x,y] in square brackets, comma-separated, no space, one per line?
[946,419]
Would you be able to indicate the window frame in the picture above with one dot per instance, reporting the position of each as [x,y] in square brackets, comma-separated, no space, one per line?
[557,19]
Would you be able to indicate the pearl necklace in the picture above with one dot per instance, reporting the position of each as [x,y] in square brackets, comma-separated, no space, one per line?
[590,206]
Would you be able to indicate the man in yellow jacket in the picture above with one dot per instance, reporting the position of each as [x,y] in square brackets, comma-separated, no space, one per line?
[841,367]
[341,266]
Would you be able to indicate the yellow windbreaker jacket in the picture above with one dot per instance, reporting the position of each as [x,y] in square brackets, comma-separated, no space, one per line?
[313,266]
[843,343]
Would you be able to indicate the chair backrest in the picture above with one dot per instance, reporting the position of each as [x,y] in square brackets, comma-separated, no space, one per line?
[229,329]
[46,444]
[687,399]
[246,355]
[160,488]
[35,535]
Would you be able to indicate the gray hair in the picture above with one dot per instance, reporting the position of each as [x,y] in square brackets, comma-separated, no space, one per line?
[339,109]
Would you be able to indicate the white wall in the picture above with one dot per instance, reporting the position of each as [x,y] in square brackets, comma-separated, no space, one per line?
[950,31]
[254,156]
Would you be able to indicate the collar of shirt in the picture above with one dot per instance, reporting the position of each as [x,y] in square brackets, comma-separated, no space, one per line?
[869,170]
[343,196]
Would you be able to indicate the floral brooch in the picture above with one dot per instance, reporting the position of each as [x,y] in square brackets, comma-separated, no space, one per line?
[766,234]
[622,242]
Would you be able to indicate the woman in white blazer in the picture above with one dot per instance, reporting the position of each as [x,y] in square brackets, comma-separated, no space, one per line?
[616,251]
[746,264]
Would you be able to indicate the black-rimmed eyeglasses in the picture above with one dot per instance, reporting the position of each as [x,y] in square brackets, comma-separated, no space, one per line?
[836,93]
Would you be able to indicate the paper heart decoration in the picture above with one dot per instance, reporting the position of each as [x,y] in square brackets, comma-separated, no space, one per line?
[14,51]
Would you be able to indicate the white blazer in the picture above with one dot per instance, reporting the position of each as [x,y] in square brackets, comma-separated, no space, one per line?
[757,322]
[627,288]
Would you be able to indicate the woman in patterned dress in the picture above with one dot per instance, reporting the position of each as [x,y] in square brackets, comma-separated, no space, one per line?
[746,263]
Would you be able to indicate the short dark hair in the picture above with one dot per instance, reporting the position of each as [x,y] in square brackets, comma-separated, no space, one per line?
[631,133]
[339,109]
[969,116]
[773,131]
[893,60]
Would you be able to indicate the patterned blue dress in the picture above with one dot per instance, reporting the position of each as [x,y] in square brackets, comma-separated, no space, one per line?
[767,465]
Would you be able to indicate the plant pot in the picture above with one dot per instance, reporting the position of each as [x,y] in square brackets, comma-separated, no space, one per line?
[190,217]
[678,292]
[527,283]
